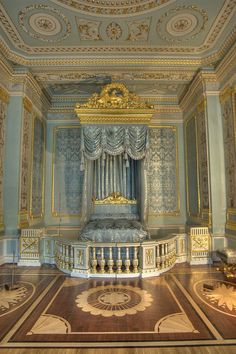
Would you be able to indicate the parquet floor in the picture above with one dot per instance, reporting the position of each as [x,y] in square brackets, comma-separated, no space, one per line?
[187,310]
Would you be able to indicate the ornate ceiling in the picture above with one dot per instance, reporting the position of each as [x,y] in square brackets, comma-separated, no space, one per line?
[155,47]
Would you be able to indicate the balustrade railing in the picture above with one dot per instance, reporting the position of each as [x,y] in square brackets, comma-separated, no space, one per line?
[88,259]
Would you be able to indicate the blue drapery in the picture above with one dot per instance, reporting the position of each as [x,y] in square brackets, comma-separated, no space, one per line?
[115,174]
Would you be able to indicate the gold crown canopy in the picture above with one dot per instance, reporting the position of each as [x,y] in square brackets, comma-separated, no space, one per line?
[115,104]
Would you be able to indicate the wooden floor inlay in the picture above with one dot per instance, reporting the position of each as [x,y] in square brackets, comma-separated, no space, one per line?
[196,306]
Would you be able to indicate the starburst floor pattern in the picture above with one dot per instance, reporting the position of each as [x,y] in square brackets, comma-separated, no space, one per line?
[114,300]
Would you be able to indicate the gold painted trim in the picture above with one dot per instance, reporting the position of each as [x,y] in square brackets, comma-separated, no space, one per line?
[54,213]
[103,117]
[201,105]
[23,219]
[2,226]
[4,95]
[39,216]
[230,226]
[187,169]
[226,93]
[27,104]
[176,212]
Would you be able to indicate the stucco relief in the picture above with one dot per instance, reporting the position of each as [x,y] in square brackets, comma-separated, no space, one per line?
[139,30]
[88,30]
[44,23]
[182,23]
[25,159]
[3,107]
[230,154]
[203,161]
[37,180]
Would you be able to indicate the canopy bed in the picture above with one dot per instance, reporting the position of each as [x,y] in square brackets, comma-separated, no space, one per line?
[114,151]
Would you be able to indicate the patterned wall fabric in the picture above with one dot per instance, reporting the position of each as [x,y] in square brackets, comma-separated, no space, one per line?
[192,167]
[25,161]
[3,107]
[68,179]
[162,174]
[203,160]
[230,154]
[37,178]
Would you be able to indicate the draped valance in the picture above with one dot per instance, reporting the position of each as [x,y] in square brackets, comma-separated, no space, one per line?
[114,140]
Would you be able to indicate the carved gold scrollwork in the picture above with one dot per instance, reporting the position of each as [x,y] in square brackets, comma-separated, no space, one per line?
[114,198]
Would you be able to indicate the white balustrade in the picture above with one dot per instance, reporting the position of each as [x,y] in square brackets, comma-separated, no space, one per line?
[88,259]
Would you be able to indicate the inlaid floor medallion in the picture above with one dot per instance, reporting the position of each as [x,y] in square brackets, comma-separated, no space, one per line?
[114,300]
[10,300]
[219,295]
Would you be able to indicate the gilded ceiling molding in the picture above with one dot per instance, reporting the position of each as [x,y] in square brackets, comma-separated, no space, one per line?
[113,8]
[196,87]
[4,95]
[225,14]
[47,25]
[228,61]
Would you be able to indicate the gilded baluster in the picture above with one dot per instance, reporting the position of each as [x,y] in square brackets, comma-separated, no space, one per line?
[127,261]
[135,260]
[102,261]
[110,261]
[158,259]
[94,261]
[162,256]
[119,261]
[67,256]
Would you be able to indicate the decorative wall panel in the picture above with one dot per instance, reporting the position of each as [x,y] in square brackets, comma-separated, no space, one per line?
[229,129]
[37,172]
[67,177]
[163,180]
[203,158]
[25,163]
[3,108]
[192,168]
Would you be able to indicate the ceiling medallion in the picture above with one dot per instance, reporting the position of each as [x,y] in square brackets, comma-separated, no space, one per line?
[42,22]
[113,7]
[114,300]
[182,23]
[113,31]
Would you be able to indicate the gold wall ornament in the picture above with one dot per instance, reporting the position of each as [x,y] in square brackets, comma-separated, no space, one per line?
[27,104]
[115,104]
[201,105]
[4,95]
[114,198]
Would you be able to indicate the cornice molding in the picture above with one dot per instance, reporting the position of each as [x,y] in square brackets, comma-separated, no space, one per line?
[197,85]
